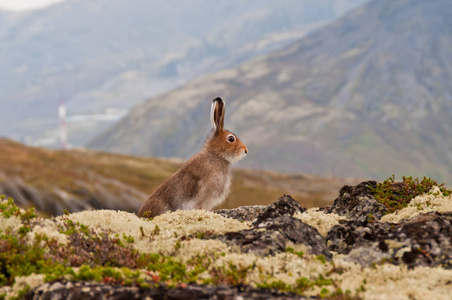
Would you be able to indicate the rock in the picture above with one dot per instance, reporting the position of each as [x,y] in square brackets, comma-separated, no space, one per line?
[56,286]
[367,208]
[99,291]
[285,205]
[425,240]
[357,202]
[262,242]
[243,213]
[273,228]
[353,234]
[270,237]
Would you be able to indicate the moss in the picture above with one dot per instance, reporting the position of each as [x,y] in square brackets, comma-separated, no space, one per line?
[321,258]
[396,195]
[292,250]
[302,285]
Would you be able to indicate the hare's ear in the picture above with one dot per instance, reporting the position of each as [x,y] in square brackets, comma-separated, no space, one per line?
[217,114]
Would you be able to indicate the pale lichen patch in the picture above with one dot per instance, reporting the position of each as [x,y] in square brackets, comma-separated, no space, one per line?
[394,282]
[194,247]
[120,222]
[161,234]
[192,221]
[320,220]
[189,223]
[434,200]
[12,223]
[48,228]
[21,283]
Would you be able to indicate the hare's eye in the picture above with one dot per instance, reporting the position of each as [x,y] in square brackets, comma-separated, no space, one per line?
[231,138]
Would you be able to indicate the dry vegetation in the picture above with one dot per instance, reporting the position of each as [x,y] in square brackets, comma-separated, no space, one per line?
[78,179]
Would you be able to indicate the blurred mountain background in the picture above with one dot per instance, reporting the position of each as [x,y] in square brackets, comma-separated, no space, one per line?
[103,57]
[333,88]
[366,96]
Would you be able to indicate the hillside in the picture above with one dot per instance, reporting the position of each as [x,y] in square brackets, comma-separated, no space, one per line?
[116,53]
[366,96]
[75,180]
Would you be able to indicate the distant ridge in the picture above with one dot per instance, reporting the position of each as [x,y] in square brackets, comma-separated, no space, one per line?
[116,53]
[366,96]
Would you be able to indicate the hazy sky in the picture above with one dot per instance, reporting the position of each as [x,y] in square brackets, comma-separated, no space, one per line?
[19,5]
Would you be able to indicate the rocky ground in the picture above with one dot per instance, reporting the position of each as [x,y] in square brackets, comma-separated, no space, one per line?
[360,247]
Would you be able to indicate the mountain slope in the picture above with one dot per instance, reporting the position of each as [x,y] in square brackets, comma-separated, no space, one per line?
[75,180]
[365,96]
[81,50]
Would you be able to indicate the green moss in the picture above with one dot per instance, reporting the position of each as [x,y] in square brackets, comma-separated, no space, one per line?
[321,258]
[277,285]
[128,238]
[298,253]
[396,195]
[303,285]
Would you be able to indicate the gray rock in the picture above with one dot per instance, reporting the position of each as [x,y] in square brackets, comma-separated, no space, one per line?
[99,291]
[353,234]
[425,240]
[367,208]
[357,202]
[284,206]
[270,237]
[243,213]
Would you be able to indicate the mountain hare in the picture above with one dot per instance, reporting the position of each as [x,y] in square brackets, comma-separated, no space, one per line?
[204,180]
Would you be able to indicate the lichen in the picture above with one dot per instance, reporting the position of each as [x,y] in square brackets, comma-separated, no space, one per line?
[320,220]
[120,248]
[164,230]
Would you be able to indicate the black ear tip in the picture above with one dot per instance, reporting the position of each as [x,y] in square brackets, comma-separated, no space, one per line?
[217,99]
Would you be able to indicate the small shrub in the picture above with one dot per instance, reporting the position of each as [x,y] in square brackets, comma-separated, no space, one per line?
[396,195]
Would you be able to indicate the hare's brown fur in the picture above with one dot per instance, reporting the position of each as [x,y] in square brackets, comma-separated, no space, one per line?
[204,180]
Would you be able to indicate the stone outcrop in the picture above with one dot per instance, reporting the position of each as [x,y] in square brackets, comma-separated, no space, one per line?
[243,213]
[96,291]
[357,203]
[273,228]
[272,236]
[425,240]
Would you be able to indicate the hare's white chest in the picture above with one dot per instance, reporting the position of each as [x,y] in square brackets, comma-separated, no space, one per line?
[219,196]
[212,192]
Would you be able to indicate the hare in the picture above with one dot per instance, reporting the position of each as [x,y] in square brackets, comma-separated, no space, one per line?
[204,180]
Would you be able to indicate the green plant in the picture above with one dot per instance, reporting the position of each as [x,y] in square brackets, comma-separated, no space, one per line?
[321,258]
[396,195]
[298,253]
